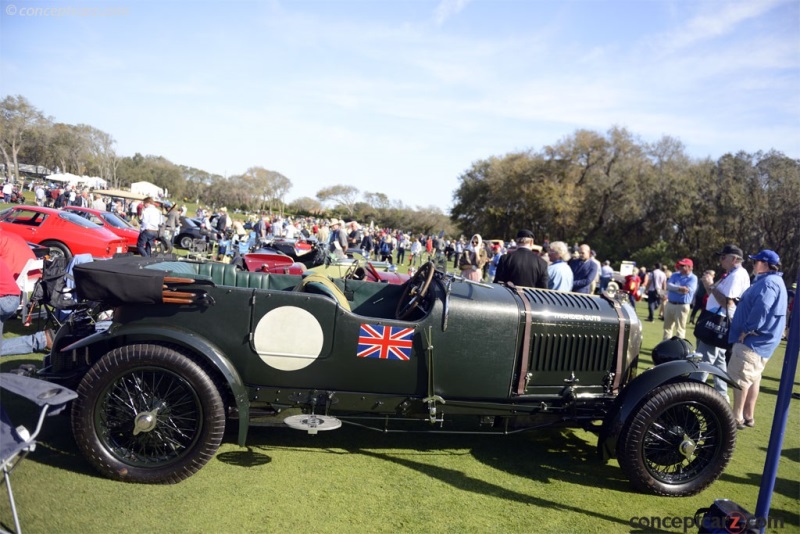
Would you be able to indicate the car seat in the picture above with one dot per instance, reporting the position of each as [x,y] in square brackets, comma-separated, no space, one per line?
[321,284]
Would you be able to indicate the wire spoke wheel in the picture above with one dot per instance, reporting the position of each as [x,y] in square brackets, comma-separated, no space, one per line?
[149,416]
[148,413]
[679,441]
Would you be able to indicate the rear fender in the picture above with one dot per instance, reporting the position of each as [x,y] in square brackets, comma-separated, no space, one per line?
[638,389]
[198,345]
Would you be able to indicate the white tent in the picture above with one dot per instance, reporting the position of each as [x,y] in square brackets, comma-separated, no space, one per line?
[94,182]
[148,189]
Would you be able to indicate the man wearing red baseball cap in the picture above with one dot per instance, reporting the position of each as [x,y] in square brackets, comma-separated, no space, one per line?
[681,287]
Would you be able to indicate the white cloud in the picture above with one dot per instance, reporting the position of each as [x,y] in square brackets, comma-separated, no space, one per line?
[715,20]
[448,8]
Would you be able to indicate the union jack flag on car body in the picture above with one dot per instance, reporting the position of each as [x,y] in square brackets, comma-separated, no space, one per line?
[385,342]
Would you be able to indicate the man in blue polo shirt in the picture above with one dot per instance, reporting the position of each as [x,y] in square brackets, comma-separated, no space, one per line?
[681,287]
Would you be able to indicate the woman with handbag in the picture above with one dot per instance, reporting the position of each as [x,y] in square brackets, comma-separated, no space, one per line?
[721,304]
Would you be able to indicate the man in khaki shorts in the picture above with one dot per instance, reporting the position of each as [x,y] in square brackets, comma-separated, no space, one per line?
[756,332]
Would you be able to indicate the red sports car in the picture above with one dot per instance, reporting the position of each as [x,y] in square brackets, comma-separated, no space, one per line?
[64,232]
[120,227]
[110,221]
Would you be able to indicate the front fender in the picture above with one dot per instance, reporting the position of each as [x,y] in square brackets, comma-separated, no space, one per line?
[199,345]
[636,392]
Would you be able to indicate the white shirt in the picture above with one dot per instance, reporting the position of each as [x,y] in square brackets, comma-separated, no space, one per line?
[98,204]
[8,188]
[732,286]
[658,279]
[151,218]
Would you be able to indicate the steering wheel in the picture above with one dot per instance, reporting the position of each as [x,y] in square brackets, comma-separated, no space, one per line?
[355,271]
[415,290]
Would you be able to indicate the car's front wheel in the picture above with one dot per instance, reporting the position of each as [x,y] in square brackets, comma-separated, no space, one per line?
[679,441]
[147,413]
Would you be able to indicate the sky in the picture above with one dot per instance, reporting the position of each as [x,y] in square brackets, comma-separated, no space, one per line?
[402,97]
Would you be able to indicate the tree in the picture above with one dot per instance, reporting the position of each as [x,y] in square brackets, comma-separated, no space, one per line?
[154,169]
[377,201]
[307,205]
[196,183]
[103,157]
[345,196]
[70,148]
[279,185]
[269,186]
[19,121]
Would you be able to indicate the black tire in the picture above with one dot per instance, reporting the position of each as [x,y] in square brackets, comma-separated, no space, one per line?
[161,246]
[185,242]
[148,414]
[57,249]
[678,441]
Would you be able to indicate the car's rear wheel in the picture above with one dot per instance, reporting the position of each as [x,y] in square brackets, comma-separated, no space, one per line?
[185,242]
[679,440]
[57,249]
[149,414]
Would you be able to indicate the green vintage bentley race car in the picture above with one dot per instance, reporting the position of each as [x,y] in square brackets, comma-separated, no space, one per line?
[193,347]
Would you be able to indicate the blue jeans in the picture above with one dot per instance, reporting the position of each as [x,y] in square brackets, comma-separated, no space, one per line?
[146,242]
[716,357]
[22,344]
[653,303]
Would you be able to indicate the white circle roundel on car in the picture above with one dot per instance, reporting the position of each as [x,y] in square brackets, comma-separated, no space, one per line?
[288,338]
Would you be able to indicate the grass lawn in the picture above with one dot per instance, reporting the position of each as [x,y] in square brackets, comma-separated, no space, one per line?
[355,480]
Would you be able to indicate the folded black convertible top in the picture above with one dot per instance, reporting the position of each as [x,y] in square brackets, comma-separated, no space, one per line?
[122,280]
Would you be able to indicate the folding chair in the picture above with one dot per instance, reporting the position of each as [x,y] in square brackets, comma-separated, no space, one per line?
[26,281]
[56,295]
[17,442]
